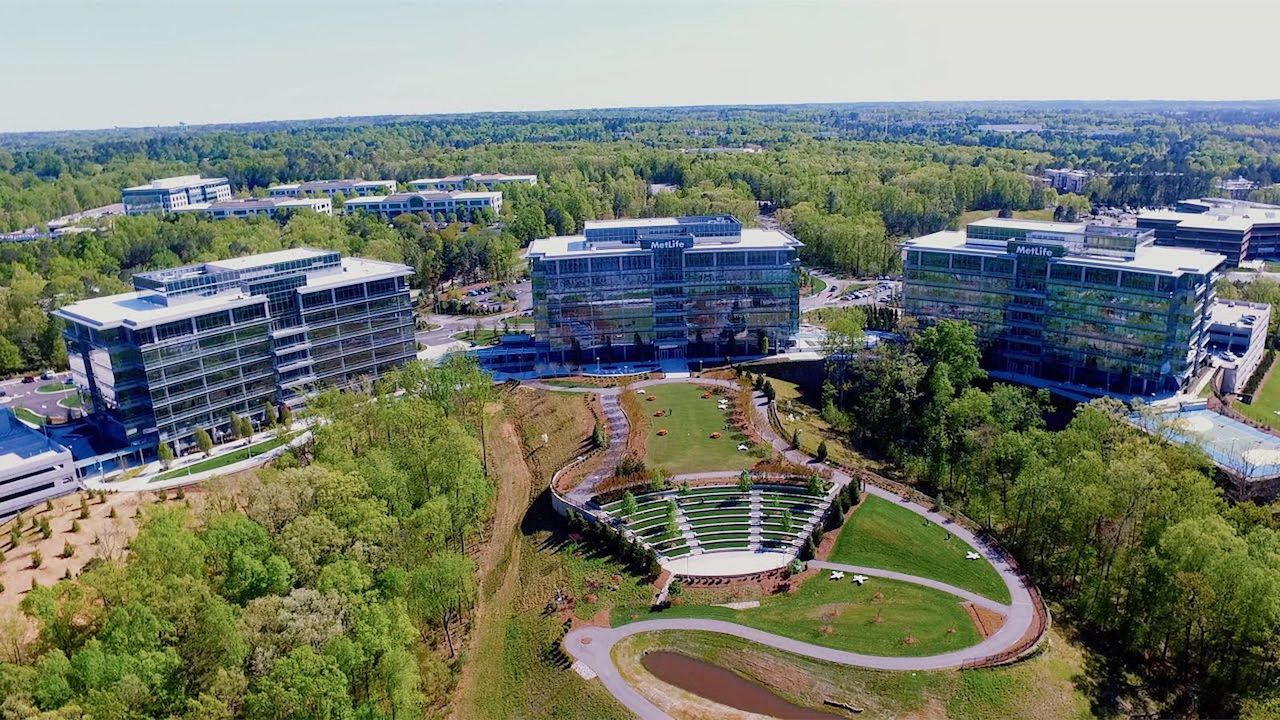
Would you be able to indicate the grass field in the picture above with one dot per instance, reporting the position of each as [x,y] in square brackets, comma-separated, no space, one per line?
[71,401]
[226,459]
[882,617]
[882,535]
[1266,402]
[687,447]
[1041,688]
[55,387]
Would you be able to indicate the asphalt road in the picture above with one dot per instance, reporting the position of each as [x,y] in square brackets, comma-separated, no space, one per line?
[25,395]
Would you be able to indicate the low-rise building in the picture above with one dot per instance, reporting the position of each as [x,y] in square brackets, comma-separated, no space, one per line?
[1238,339]
[1236,188]
[193,344]
[460,203]
[1069,303]
[348,188]
[488,181]
[33,468]
[1067,180]
[272,207]
[1237,229]
[175,193]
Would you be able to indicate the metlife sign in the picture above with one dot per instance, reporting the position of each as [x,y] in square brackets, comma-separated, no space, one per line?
[1041,251]
[680,243]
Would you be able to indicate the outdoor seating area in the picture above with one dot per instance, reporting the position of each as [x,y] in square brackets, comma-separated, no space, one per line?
[721,518]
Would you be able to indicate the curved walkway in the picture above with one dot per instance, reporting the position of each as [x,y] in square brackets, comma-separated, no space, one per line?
[593,646]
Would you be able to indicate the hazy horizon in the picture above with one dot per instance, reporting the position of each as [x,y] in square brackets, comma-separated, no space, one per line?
[148,63]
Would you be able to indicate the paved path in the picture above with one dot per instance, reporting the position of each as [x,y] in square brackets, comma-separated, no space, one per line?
[593,646]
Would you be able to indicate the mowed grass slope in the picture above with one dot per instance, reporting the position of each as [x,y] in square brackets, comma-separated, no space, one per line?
[687,447]
[1266,403]
[883,535]
[882,617]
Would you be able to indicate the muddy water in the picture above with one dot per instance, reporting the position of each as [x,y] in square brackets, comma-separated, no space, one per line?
[723,686]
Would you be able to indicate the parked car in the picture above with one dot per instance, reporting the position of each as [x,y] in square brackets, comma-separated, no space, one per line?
[28,379]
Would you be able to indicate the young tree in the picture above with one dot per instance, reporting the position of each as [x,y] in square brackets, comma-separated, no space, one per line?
[673,525]
[164,452]
[629,505]
[597,436]
[795,438]
[286,416]
[787,522]
[822,451]
[203,441]
[270,415]
[744,482]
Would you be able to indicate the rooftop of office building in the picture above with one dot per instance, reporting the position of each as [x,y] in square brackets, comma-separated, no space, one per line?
[1144,257]
[174,183]
[1239,313]
[426,194]
[477,177]
[569,246]
[267,203]
[1217,214]
[20,444]
[148,307]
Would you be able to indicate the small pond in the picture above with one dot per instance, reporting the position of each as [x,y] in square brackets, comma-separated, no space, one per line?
[724,686]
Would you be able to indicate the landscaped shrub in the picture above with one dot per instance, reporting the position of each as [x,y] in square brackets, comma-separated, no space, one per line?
[1251,385]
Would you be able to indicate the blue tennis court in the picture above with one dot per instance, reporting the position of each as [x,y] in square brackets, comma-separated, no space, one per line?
[1230,443]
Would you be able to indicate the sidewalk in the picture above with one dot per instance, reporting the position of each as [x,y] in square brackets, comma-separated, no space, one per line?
[146,479]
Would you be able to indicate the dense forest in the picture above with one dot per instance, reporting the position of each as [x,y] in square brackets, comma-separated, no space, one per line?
[850,181]
[332,585]
[1128,533]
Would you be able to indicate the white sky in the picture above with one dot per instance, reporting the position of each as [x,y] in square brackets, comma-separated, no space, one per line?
[67,64]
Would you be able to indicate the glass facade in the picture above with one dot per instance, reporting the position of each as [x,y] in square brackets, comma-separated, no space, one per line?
[1128,329]
[657,293]
[275,331]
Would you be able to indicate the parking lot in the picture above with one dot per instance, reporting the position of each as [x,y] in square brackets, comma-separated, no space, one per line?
[16,393]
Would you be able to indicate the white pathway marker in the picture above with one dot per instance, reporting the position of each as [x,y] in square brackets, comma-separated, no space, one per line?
[972,555]
[859,579]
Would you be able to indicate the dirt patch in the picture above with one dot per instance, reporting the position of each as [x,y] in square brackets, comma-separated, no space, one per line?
[99,536]
[987,621]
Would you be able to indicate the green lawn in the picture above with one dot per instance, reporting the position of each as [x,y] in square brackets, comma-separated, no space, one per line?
[1266,401]
[55,387]
[687,446]
[70,401]
[881,534]
[214,463]
[486,336]
[904,620]
[29,416]
[816,285]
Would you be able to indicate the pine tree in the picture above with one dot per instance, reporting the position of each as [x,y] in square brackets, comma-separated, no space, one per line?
[822,451]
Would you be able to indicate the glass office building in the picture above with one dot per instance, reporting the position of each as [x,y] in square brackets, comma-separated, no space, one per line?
[1088,305]
[664,289]
[194,344]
